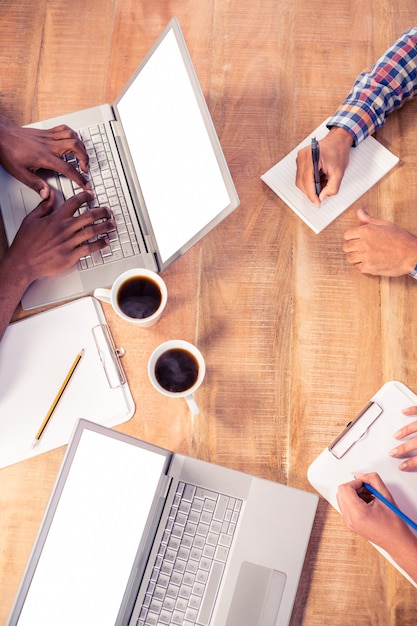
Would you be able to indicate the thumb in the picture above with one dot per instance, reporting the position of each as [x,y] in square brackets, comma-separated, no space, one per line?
[36,183]
[41,187]
[366,218]
[46,206]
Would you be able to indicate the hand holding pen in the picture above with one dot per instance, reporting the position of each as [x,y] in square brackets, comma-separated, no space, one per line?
[390,504]
[332,160]
[370,516]
[368,508]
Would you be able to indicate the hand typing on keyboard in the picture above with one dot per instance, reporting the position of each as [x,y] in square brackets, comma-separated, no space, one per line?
[109,191]
[48,242]
[25,150]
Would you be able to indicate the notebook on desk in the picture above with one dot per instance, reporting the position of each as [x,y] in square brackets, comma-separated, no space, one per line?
[135,535]
[368,163]
[167,181]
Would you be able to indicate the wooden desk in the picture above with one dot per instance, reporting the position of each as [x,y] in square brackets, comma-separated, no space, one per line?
[295,340]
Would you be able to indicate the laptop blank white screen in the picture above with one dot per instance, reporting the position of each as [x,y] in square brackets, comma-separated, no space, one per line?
[178,172]
[87,558]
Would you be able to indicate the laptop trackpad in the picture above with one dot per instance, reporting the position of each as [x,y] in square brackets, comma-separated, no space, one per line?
[257,596]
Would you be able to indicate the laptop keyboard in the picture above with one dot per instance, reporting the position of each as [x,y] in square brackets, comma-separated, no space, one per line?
[191,559]
[108,191]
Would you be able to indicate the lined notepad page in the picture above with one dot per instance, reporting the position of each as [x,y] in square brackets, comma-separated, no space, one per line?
[368,163]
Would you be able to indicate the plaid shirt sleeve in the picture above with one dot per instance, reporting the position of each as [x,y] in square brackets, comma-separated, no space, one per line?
[381,89]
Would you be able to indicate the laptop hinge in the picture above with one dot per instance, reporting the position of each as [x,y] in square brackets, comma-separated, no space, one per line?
[133,185]
[142,555]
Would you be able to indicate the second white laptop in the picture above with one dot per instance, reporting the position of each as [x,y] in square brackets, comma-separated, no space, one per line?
[135,535]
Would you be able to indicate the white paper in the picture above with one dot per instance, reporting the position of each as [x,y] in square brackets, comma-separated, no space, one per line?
[368,163]
[35,356]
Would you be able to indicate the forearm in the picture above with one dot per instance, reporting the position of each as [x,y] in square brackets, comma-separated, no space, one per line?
[378,91]
[4,121]
[5,126]
[13,284]
[404,553]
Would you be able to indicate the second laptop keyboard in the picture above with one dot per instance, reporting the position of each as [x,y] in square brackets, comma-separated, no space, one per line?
[191,559]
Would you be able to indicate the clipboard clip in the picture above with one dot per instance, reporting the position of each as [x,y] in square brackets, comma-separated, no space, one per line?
[356,430]
[109,355]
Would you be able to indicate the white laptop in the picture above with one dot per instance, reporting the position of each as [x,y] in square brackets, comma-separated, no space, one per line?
[135,535]
[167,182]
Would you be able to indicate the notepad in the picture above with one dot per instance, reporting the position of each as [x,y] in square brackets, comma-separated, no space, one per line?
[364,445]
[368,163]
[35,357]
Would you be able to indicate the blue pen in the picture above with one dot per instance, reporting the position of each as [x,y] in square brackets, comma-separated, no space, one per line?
[315,154]
[391,506]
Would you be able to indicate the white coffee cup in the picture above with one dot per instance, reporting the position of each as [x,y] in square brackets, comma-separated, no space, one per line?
[176,369]
[138,296]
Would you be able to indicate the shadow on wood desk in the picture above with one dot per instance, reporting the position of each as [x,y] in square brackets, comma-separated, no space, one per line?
[295,340]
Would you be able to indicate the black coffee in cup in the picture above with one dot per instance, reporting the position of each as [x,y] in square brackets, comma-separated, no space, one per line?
[176,370]
[139,297]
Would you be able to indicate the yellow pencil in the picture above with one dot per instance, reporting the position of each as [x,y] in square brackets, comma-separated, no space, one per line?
[57,399]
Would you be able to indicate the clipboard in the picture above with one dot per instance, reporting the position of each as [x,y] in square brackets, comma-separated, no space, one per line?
[363,446]
[35,356]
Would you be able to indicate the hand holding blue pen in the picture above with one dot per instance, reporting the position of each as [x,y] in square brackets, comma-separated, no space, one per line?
[367,509]
[366,506]
[390,505]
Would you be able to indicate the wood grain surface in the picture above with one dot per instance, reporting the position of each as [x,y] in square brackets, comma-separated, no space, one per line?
[295,340]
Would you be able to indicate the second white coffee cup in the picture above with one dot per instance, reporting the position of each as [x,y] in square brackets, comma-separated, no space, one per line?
[138,296]
[176,369]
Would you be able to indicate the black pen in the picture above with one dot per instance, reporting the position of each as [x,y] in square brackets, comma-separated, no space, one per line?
[315,153]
